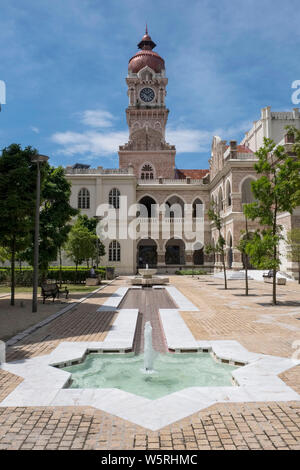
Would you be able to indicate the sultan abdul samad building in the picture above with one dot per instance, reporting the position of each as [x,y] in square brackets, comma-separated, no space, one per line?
[147,175]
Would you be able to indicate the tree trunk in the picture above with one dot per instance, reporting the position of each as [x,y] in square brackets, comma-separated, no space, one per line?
[299,272]
[224,269]
[60,268]
[246,259]
[274,300]
[274,287]
[246,275]
[13,253]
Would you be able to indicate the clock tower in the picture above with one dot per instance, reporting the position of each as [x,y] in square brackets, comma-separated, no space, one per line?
[147,115]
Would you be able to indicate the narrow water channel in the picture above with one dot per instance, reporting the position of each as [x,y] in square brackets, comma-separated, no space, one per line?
[148,301]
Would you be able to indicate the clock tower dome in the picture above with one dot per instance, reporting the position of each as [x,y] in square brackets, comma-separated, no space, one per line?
[147,115]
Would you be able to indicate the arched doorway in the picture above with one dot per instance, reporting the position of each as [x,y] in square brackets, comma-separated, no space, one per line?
[198,254]
[175,249]
[147,207]
[174,207]
[146,253]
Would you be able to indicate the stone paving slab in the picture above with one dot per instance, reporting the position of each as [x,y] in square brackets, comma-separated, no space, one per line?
[226,315]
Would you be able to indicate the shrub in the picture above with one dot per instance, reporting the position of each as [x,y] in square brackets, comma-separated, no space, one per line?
[24,276]
[189,272]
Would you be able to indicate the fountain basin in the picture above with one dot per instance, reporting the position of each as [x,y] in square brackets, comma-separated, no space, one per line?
[148,279]
[172,372]
[147,273]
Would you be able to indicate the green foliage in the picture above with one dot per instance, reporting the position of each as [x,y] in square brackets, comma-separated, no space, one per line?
[91,224]
[4,254]
[69,274]
[293,241]
[276,190]
[17,200]
[190,272]
[55,216]
[219,248]
[81,244]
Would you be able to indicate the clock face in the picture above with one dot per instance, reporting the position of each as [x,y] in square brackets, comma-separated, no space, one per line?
[147,95]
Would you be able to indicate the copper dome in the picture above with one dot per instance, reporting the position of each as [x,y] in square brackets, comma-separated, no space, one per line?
[146,57]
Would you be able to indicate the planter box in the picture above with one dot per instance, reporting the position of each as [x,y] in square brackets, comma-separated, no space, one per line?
[92,281]
[281,281]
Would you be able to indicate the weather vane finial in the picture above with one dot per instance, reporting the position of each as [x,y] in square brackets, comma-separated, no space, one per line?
[146,29]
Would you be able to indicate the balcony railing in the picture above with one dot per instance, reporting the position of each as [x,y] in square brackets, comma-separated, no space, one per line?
[97,171]
[170,181]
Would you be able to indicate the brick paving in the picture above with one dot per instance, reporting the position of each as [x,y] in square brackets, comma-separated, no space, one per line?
[223,315]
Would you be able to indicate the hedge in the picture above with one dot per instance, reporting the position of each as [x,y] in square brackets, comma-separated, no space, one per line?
[186,272]
[24,277]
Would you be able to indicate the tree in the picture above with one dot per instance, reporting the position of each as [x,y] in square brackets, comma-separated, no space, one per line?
[276,190]
[214,215]
[242,247]
[293,241]
[91,225]
[55,215]
[81,244]
[4,255]
[17,201]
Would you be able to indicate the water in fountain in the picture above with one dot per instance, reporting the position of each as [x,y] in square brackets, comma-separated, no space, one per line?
[149,353]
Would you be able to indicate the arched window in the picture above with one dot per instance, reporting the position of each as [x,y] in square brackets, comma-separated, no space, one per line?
[114,252]
[247,194]
[220,201]
[228,193]
[197,208]
[84,199]
[114,198]
[147,172]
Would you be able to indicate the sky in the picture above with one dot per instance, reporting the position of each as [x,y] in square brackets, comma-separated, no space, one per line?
[64,65]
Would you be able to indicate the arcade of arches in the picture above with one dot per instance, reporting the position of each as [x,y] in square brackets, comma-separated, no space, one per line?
[173,253]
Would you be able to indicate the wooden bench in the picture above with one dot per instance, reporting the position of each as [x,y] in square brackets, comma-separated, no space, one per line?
[52,290]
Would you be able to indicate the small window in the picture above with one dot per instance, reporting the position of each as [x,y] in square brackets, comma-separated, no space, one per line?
[114,252]
[84,199]
[114,198]
[147,172]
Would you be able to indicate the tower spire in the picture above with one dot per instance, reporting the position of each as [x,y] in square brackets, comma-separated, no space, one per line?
[146,43]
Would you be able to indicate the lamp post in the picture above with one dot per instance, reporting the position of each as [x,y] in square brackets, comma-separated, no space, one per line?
[37,159]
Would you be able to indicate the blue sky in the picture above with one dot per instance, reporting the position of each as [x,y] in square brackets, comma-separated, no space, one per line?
[65,62]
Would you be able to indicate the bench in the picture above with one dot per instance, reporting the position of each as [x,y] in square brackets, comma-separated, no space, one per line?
[52,290]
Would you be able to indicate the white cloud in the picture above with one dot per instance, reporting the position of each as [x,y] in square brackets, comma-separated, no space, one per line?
[104,142]
[97,118]
[90,143]
[188,140]
[35,129]
[196,140]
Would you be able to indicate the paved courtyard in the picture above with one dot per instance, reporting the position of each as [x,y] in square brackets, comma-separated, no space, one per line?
[252,321]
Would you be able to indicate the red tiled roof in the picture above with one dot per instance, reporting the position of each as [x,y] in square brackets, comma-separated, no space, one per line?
[243,149]
[194,174]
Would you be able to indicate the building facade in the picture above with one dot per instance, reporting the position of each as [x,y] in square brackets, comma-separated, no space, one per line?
[161,211]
